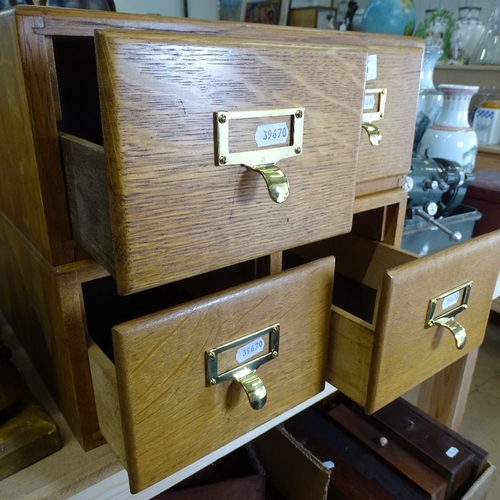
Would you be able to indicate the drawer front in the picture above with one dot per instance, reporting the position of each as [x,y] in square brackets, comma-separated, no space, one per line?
[171,414]
[396,72]
[182,114]
[407,348]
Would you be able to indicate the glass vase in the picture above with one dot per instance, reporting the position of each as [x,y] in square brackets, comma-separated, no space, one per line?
[469,30]
[452,137]
[430,99]
[487,50]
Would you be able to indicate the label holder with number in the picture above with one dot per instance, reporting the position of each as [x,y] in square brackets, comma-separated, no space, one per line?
[443,309]
[213,377]
[262,160]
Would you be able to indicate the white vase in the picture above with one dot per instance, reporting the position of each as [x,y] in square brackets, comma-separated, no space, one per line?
[469,31]
[452,137]
[430,99]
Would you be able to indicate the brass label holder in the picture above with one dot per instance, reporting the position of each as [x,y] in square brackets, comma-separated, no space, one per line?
[450,304]
[374,133]
[262,161]
[245,373]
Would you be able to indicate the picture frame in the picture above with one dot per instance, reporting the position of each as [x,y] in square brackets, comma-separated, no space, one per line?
[255,11]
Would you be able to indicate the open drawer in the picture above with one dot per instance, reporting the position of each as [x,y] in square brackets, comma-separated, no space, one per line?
[172,395]
[398,319]
[218,150]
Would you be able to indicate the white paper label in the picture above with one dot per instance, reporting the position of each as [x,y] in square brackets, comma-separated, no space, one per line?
[250,350]
[369,102]
[371,67]
[451,300]
[452,452]
[272,134]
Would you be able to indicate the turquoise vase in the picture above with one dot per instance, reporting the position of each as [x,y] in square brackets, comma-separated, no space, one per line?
[393,17]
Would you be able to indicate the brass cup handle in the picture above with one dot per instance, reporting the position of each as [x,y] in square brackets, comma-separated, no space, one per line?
[276,180]
[374,133]
[254,387]
[455,328]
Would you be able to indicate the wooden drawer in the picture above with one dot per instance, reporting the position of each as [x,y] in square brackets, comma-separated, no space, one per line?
[156,405]
[393,78]
[185,123]
[381,342]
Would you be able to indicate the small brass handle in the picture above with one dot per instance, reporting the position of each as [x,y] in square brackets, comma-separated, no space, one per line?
[254,387]
[276,180]
[455,328]
[374,133]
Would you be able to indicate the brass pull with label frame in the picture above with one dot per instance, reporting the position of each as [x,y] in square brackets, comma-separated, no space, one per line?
[262,160]
[448,302]
[245,373]
[374,133]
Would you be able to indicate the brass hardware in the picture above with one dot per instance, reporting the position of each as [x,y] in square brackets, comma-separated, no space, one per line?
[276,181]
[374,133]
[455,328]
[264,159]
[245,372]
[451,303]
[254,387]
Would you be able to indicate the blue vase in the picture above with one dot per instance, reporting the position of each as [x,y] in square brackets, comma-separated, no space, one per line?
[393,17]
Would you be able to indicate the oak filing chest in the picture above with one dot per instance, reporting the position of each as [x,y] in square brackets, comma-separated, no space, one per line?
[153,172]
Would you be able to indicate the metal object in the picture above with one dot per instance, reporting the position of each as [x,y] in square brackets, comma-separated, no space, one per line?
[245,373]
[450,304]
[262,160]
[454,236]
[377,113]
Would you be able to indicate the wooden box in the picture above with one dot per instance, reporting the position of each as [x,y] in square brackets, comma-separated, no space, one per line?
[49,89]
[386,333]
[181,195]
[237,476]
[172,396]
[484,195]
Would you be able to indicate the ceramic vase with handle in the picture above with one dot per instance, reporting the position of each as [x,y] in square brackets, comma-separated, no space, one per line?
[430,99]
[452,137]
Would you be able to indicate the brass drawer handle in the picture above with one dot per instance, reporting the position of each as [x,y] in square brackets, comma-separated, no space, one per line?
[254,387]
[455,328]
[375,101]
[278,134]
[247,353]
[276,180]
[443,309]
[374,133]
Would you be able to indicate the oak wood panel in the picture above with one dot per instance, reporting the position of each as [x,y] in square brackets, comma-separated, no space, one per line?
[20,191]
[107,404]
[40,91]
[45,310]
[349,354]
[176,214]
[405,352]
[170,418]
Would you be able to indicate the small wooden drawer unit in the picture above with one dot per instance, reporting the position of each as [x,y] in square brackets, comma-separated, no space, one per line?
[398,319]
[218,151]
[174,386]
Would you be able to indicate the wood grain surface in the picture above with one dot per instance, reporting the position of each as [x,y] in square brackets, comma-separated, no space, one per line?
[405,352]
[170,418]
[45,309]
[174,213]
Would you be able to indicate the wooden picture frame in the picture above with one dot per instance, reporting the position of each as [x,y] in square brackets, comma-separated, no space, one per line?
[265,11]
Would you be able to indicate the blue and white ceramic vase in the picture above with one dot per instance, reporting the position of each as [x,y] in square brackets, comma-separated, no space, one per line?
[452,137]
[430,99]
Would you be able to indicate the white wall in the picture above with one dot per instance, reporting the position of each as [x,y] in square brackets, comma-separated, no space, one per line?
[201,9]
